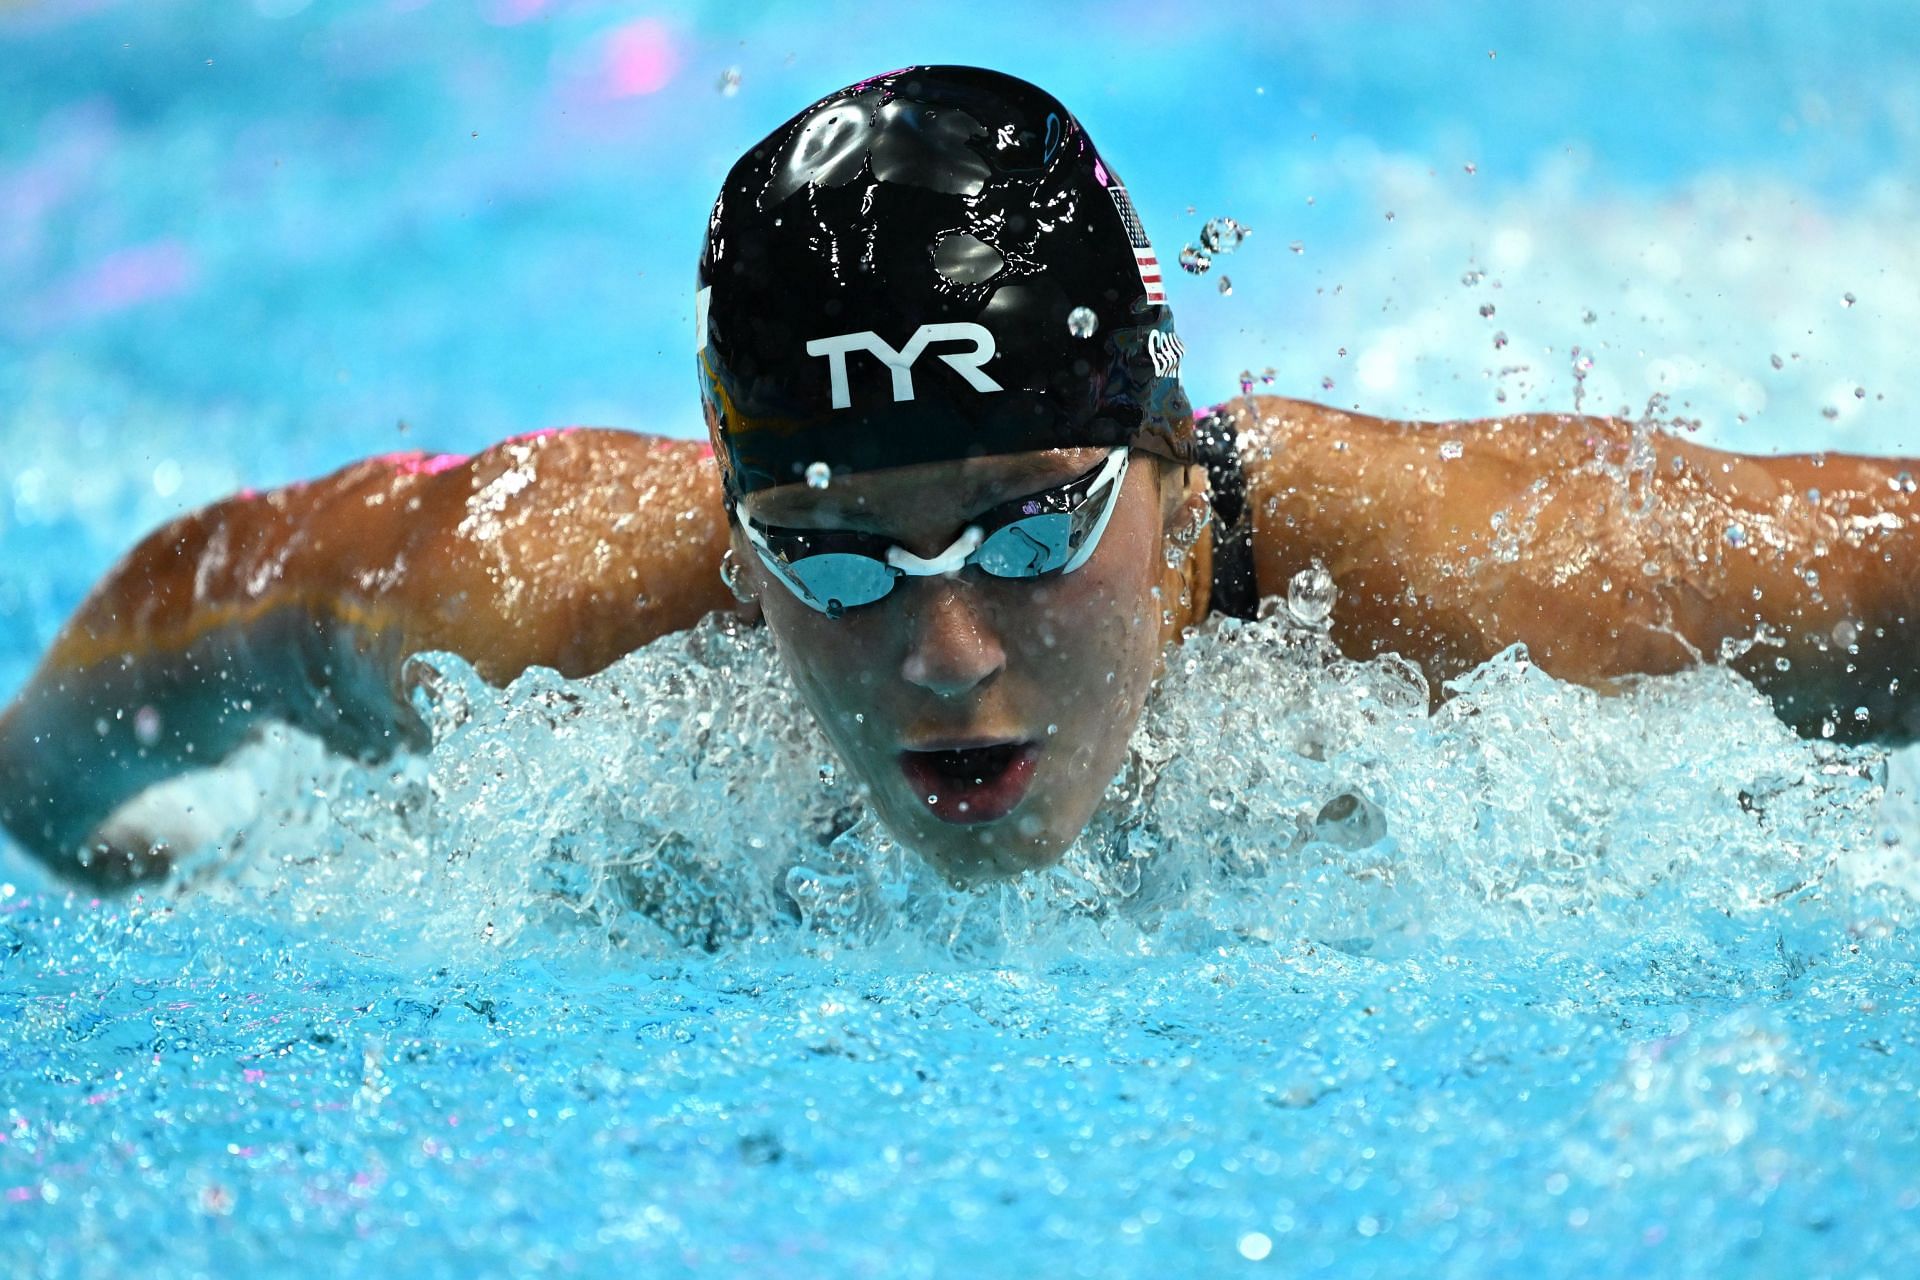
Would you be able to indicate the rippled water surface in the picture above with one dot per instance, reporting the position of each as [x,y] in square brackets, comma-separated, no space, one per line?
[618,979]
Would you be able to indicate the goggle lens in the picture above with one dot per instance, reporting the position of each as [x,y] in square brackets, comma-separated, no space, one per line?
[836,580]
[1030,547]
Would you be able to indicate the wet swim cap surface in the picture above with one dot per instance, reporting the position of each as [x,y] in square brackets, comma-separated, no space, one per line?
[929,265]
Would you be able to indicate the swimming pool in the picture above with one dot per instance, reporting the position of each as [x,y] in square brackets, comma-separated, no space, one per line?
[615,980]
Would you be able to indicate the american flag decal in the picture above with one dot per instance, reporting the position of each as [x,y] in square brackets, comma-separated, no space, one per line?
[1142,251]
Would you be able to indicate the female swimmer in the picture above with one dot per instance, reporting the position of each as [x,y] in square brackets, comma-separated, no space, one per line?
[953,467]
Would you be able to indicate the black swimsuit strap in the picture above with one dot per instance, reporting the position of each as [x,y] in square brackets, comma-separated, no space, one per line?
[1234,592]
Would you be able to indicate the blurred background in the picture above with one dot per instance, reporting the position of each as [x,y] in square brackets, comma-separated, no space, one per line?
[246,241]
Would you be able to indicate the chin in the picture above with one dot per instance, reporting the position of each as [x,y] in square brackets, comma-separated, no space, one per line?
[980,855]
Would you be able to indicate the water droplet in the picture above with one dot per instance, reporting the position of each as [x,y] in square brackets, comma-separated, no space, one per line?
[819,475]
[1862,715]
[1471,277]
[1268,375]
[1081,322]
[1499,339]
[1297,246]
[1326,384]
[1052,729]
[1829,413]
[1246,382]
[1859,393]
[1588,317]
[1736,536]
[1195,262]
[1847,299]
[1472,168]
[1452,449]
[729,82]
[1226,286]
[1776,362]
[1902,483]
[1783,664]
[933,799]
[1310,596]
[1486,310]
[1221,235]
[1389,215]
[1582,364]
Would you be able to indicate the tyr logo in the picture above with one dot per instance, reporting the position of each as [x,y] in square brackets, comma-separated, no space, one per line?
[965,363]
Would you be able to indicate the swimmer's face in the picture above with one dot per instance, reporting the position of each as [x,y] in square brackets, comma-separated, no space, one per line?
[985,716]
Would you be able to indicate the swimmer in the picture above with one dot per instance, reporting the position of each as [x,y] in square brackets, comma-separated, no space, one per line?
[953,469]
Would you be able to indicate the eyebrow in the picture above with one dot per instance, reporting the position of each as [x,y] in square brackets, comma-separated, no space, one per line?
[1020,477]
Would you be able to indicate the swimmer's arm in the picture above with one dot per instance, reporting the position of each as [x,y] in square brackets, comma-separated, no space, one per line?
[1606,553]
[564,550]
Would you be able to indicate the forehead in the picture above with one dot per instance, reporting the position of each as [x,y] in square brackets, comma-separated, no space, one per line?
[928,491]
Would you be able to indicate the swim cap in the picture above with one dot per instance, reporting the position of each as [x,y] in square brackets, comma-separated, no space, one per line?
[929,265]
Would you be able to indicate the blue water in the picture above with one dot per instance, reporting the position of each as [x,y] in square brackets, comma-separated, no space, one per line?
[616,980]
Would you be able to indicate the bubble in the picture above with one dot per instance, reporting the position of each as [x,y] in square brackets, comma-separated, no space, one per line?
[819,475]
[1472,277]
[729,82]
[1268,375]
[1246,382]
[1736,536]
[1081,322]
[1471,168]
[1255,1246]
[1310,596]
[1297,246]
[1902,483]
[1222,235]
[1226,286]
[1389,215]
[1486,310]
[1829,413]
[1499,339]
[1451,450]
[1776,362]
[1588,317]
[1847,299]
[1195,262]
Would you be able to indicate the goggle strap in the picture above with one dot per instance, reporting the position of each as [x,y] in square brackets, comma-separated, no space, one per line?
[1114,473]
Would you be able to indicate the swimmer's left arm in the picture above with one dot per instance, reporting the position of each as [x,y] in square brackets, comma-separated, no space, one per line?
[1608,551]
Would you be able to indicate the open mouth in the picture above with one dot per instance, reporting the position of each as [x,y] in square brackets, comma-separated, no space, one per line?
[967,785]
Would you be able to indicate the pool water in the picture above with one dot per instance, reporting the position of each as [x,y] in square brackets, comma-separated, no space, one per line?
[619,978]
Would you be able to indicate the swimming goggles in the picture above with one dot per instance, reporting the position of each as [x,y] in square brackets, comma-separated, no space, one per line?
[1053,531]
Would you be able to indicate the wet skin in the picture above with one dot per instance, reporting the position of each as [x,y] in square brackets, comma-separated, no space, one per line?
[1606,552]
[1059,665]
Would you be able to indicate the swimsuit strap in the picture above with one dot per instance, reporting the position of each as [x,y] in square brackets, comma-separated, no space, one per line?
[1234,591]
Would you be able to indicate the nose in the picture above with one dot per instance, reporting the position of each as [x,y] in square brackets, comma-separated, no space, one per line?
[951,648]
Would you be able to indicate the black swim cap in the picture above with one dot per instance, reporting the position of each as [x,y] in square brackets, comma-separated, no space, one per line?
[931,264]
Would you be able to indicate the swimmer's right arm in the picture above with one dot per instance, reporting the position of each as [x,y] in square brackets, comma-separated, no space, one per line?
[566,550]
